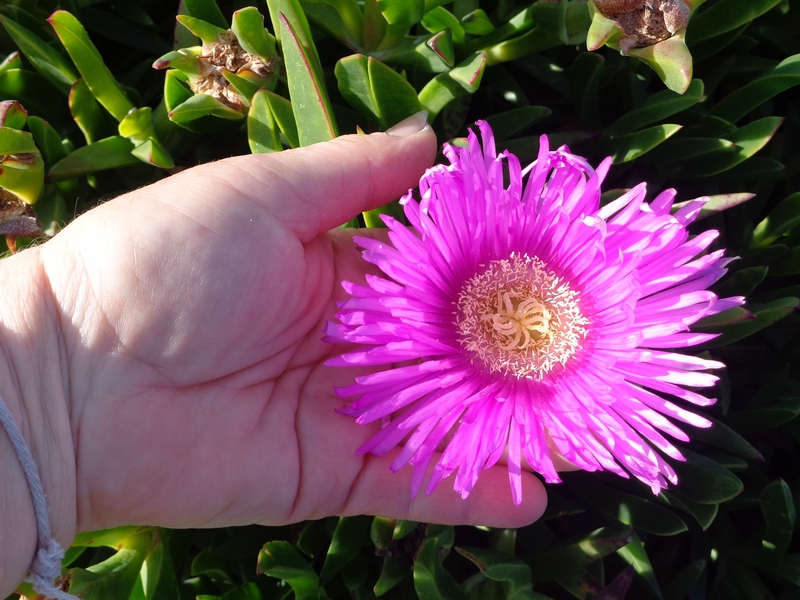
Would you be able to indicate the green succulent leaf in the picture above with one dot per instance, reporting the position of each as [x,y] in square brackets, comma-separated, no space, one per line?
[392,573]
[628,509]
[54,67]
[670,59]
[462,80]
[116,576]
[575,555]
[348,537]
[342,19]
[279,559]
[431,580]
[22,172]
[203,105]
[780,515]
[47,140]
[627,147]
[90,64]
[747,141]
[441,19]
[657,107]
[12,114]
[477,23]
[307,91]
[210,34]
[248,26]
[498,566]
[635,554]
[742,283]
[780,221]
[207,10]
[704,481]
[108,153]
[726,15]
[747,98]
[375,90]
[263,134]
[704,514]
[765,315]
[11,62]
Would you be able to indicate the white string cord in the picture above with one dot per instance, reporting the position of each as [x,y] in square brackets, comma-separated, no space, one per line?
[46,565]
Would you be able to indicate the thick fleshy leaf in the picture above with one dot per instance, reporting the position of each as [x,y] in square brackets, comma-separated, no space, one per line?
[744,100]
[342,19]
[628,509]
[635,554]
[747,140]
[670,59]
[90,117]
[348,537]
[722,436]
[279,559]
[207,10]
[431,580]
[108,153]
[765,315]
[392,573]
[627,147]
[780,515]
[152,152]
[427,54]
[375,90]
[657,107]
[248,26]
[263,134]
[12,114]
[780,221]
[12,61]
[718,203]
[498,566]
[381,532]
[742,282]
[307,91]
[54,67]
[761,419]
[202,105]
[440,19]
[704,514]
[726,15]
[679,586]
[507,124]
[477,22]
[22,172]
[574,556]
[116,576]
[704,481]
[462,80]
[207,32]
[584,86]
[47,140]
[90,64]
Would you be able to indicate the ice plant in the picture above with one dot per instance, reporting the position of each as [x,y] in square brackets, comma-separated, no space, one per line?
[518,315]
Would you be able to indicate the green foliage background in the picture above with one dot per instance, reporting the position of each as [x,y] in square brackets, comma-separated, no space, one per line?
[96,120]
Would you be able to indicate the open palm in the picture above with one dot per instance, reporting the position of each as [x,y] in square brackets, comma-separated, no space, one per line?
[192,313]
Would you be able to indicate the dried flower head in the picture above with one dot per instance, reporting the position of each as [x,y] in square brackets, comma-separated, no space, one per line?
[645,22]
[517,310]
[228,55]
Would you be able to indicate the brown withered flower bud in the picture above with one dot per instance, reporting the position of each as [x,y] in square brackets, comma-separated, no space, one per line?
[227,54]
[645,22]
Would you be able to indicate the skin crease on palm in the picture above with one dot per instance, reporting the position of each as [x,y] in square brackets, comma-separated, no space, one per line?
[190,316]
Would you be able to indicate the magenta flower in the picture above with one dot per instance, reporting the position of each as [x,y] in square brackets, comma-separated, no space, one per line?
[518,315]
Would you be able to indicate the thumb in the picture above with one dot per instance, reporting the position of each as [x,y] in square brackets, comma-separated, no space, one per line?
[316,188]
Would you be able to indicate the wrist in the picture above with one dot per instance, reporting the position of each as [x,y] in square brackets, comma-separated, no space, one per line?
[32,386]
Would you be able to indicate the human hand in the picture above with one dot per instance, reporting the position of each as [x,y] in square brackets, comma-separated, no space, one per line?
[191,315]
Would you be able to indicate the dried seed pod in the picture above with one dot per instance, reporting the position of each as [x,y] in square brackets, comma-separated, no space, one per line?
[645,22]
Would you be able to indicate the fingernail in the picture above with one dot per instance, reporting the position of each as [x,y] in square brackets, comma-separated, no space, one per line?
[413,124]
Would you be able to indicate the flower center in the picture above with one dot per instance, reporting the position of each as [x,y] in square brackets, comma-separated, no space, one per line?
[519,319]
